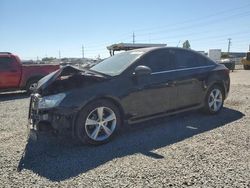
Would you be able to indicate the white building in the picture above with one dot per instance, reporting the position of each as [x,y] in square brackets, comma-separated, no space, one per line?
[214,54]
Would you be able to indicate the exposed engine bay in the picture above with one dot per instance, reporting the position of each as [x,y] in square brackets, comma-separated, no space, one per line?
[67,78]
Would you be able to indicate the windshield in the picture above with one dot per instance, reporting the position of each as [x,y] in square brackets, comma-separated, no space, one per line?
[117,64]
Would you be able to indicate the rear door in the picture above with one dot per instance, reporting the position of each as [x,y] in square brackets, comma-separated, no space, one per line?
[10,72]
[192,70]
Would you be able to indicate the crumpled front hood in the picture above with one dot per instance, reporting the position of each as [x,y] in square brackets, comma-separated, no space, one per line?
[66,71]
[50,78]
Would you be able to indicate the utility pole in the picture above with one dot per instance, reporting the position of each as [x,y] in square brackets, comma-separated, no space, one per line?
[178,43]
[229,45]
[82,52]
[59,53]
[133,37]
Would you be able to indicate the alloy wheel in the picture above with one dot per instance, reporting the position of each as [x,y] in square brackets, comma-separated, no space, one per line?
[100,123]
[215,100]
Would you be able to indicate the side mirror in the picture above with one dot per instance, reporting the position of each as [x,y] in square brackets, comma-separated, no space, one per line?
[142,70]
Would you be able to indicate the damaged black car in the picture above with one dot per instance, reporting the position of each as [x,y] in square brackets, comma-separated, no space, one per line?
[129,87]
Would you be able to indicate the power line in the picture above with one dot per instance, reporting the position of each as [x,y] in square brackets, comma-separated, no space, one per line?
[185,22]
[93,48]
[211,38]
[192,33]
[230,11]
[190,25]
[195,19]
[203,24]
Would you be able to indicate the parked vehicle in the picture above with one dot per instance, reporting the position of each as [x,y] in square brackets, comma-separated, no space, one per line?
[246,61]
[131,86]
[229,63]
[17,76]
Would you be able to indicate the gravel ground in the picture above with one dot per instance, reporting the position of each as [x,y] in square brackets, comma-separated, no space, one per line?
[190,149]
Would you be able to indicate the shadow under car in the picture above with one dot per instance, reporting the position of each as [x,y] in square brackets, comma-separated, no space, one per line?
[60,160]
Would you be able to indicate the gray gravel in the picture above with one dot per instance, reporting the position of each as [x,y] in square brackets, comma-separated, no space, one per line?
[190,149]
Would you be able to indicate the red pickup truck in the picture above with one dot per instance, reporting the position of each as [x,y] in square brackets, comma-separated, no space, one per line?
[16,76]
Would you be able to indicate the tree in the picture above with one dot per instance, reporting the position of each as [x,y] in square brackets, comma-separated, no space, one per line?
[186,44]
[48,58]
[224,55]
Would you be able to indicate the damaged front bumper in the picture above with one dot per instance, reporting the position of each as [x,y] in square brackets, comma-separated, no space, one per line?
[57,120]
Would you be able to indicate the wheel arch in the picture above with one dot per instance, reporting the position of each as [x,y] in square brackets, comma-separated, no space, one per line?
[220,84]
[35,77]
[113,100]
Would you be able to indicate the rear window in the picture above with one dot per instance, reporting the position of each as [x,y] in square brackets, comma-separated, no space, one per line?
[5,63]
[189,59]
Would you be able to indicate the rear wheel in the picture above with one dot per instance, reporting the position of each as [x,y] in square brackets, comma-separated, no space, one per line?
[98,122]
[214,100]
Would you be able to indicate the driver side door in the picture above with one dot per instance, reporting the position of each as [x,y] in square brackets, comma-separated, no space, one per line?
[155,93]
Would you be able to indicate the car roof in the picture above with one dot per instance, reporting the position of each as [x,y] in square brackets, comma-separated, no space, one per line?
[145,50]
[150,49]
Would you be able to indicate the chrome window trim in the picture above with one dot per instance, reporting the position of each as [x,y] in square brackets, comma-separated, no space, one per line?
[177,70]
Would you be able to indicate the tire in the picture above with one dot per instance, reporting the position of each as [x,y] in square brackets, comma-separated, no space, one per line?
[211,106]
[31,85]
[91,127]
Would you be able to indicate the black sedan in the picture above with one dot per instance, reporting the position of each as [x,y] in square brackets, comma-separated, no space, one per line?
[128,87]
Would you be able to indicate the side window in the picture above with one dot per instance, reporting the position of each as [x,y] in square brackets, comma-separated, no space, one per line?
[160,60]
[188,59]
[5,63]
[203,61]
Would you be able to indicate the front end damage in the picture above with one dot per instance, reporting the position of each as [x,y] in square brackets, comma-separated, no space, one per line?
[53,120]
[46,114]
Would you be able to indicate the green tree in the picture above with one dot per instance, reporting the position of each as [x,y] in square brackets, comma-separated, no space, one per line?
[186,44]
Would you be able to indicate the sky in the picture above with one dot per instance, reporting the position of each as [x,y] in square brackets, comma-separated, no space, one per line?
[44,28]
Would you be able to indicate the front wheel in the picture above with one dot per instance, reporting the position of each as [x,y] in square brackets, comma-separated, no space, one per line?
[98,122]
[214,100]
